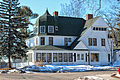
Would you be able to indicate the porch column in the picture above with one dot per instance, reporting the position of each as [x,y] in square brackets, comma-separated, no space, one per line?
[73,57]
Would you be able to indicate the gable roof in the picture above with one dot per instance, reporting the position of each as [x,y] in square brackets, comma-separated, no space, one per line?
[80,45]
[88,24]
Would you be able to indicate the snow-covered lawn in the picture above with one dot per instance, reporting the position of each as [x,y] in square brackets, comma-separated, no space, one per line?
[65,68]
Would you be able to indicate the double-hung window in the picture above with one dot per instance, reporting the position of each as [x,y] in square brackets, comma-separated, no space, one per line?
[42,29]
[50,29]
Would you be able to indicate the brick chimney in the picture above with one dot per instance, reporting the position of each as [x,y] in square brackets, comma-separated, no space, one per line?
[55,13]
[89,16]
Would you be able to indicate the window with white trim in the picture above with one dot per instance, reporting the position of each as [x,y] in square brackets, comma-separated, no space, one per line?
[42,29]
[50,29]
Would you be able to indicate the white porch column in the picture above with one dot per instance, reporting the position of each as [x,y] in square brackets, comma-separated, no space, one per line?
[73,57]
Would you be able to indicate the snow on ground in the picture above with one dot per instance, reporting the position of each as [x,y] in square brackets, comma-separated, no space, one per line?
[64,68]
[116,63]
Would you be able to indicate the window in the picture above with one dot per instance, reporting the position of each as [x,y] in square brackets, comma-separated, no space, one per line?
[99,29]
[74,57]
[65,57]
[60,57]
[69,39]
[66,40]
[70,57]
[78,56]
[56,28]
[90,41]
[94,42]
[42,29]
[44,57]
[50,40]
[108,57]
[54,57]
[38,57]
[50,29]
[102,42]
[82,56]
[42,40]
[94,57]
[105,29]
[86,57]
[49,57]
[37,41]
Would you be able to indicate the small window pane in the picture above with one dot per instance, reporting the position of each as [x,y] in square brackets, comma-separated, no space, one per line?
[103,42]
[50,29]
[94,57]
[82,56]
[96,28]
[90,41]
[94,42]
[49,57]
[78,56]
[60,57]
[50,40]
[70,57]
[54,57]
[44,57]
[42,40]
[42,29]
[38,57]
[65,57]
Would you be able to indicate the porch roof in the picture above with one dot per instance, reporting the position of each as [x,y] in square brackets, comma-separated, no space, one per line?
[55,48]
[48,48]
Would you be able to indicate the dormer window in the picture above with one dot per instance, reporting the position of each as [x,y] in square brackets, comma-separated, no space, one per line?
[50,29]
[42,29]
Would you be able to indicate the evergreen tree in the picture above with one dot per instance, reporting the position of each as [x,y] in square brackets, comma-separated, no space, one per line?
[12,40]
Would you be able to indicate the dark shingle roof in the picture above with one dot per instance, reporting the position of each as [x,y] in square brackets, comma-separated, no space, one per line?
[49,48]
[67,26]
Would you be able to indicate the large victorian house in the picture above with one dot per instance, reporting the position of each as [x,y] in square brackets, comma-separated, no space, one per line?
[70,40]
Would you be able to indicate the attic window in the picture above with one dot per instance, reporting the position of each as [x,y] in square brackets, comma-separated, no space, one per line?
[99,29]
[50,29]
[56,28]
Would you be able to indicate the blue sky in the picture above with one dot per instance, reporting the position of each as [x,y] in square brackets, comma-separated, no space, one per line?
[40,6]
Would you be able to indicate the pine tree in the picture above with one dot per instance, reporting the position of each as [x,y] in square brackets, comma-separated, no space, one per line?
[12,40]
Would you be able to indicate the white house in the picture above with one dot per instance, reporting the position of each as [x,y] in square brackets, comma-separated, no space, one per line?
[69,40]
